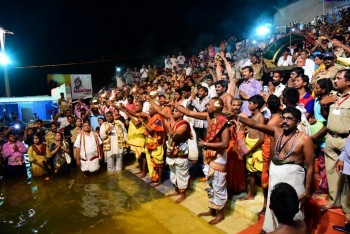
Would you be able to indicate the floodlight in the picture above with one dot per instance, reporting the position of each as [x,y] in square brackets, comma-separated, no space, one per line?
[4,59]
[263,30]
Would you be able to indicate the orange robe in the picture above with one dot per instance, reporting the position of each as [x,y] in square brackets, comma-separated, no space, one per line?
[235,166]
[266,149]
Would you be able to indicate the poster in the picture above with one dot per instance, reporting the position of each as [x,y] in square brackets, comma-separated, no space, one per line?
[81,86]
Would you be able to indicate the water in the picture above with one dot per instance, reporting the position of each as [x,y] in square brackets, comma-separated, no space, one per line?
[102,203]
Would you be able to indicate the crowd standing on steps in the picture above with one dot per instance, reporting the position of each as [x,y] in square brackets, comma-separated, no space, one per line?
[226,116]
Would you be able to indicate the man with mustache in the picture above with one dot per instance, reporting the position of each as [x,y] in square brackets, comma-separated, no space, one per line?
[293,148]
[330,69]
[276,86]
[338,126]
[235,166]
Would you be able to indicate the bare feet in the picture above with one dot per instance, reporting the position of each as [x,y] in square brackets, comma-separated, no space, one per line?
[181,198]
[143,175]
[247,197]
[175,193]
[138,172]
[208,213]
[217,220]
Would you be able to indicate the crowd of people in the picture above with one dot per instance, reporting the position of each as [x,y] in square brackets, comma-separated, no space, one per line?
[221,116]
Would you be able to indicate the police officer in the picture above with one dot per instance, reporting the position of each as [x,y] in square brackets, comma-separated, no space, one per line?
[338,126]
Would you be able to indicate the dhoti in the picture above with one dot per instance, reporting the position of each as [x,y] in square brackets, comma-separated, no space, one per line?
[255,161]
[179,172]
[292,174]
[217,192]
[154,160]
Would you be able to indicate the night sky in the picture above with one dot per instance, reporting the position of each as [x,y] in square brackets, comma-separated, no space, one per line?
[127,32]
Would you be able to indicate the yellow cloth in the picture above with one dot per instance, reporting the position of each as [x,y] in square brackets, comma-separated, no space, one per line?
[254,161]
[322,66]
[343,61]
[136,139]
[158,137]
[37,170]
[157,156]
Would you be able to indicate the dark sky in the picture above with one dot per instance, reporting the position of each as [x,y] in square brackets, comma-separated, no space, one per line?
[130,32]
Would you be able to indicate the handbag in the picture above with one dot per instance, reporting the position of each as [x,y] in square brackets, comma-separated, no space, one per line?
[67,156]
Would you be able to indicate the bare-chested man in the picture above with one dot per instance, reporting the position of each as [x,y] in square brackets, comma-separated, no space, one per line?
[179,132]
[274,104]
[221,90]
[214,144]
[254,140]
[293,148]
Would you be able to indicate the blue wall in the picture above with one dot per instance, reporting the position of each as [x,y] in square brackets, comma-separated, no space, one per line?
[40,107]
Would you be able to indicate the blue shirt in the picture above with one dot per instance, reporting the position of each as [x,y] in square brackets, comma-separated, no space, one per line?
[94,121]
[250,87]
[345,157]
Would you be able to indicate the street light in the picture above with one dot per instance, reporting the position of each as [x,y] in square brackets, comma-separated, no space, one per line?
[4,60]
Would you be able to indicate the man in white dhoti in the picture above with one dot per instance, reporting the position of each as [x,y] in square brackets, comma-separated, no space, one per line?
[215,156]
[293,150]
[88,150]
[177,152]
[114,138]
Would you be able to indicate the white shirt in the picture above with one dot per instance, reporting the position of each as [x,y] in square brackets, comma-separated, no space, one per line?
[279,89]
[114,137]
[63,122]
[188,71]
[144,72]
[146,106]
[167,63]
[308,72]
[90,145]
[284,63]
[181,59]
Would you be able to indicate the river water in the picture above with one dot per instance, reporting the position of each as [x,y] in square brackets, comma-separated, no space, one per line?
[101,203]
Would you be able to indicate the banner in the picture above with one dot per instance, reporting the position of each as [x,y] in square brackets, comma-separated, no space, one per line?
[81,86]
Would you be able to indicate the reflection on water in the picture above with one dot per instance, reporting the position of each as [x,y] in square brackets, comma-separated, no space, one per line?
[69,204]
[102,203]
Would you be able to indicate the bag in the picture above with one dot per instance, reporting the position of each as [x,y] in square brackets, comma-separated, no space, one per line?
[68,158]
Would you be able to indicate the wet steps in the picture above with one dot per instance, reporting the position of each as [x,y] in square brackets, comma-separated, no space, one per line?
[241,216]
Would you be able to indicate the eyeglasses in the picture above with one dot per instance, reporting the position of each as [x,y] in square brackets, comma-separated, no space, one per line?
[287,118]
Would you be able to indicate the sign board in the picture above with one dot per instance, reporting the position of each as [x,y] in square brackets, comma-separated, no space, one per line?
[81,86]
[76,85]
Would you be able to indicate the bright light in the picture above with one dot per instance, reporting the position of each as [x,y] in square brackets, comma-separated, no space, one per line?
[254,42]
[293,29]
[4,59]
[262,30]
[118,69]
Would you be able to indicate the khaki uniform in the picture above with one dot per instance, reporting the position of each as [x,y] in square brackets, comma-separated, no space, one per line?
[75,132]
[50,138]
[328,73]
[258,71]
[169,95]
[338,126]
